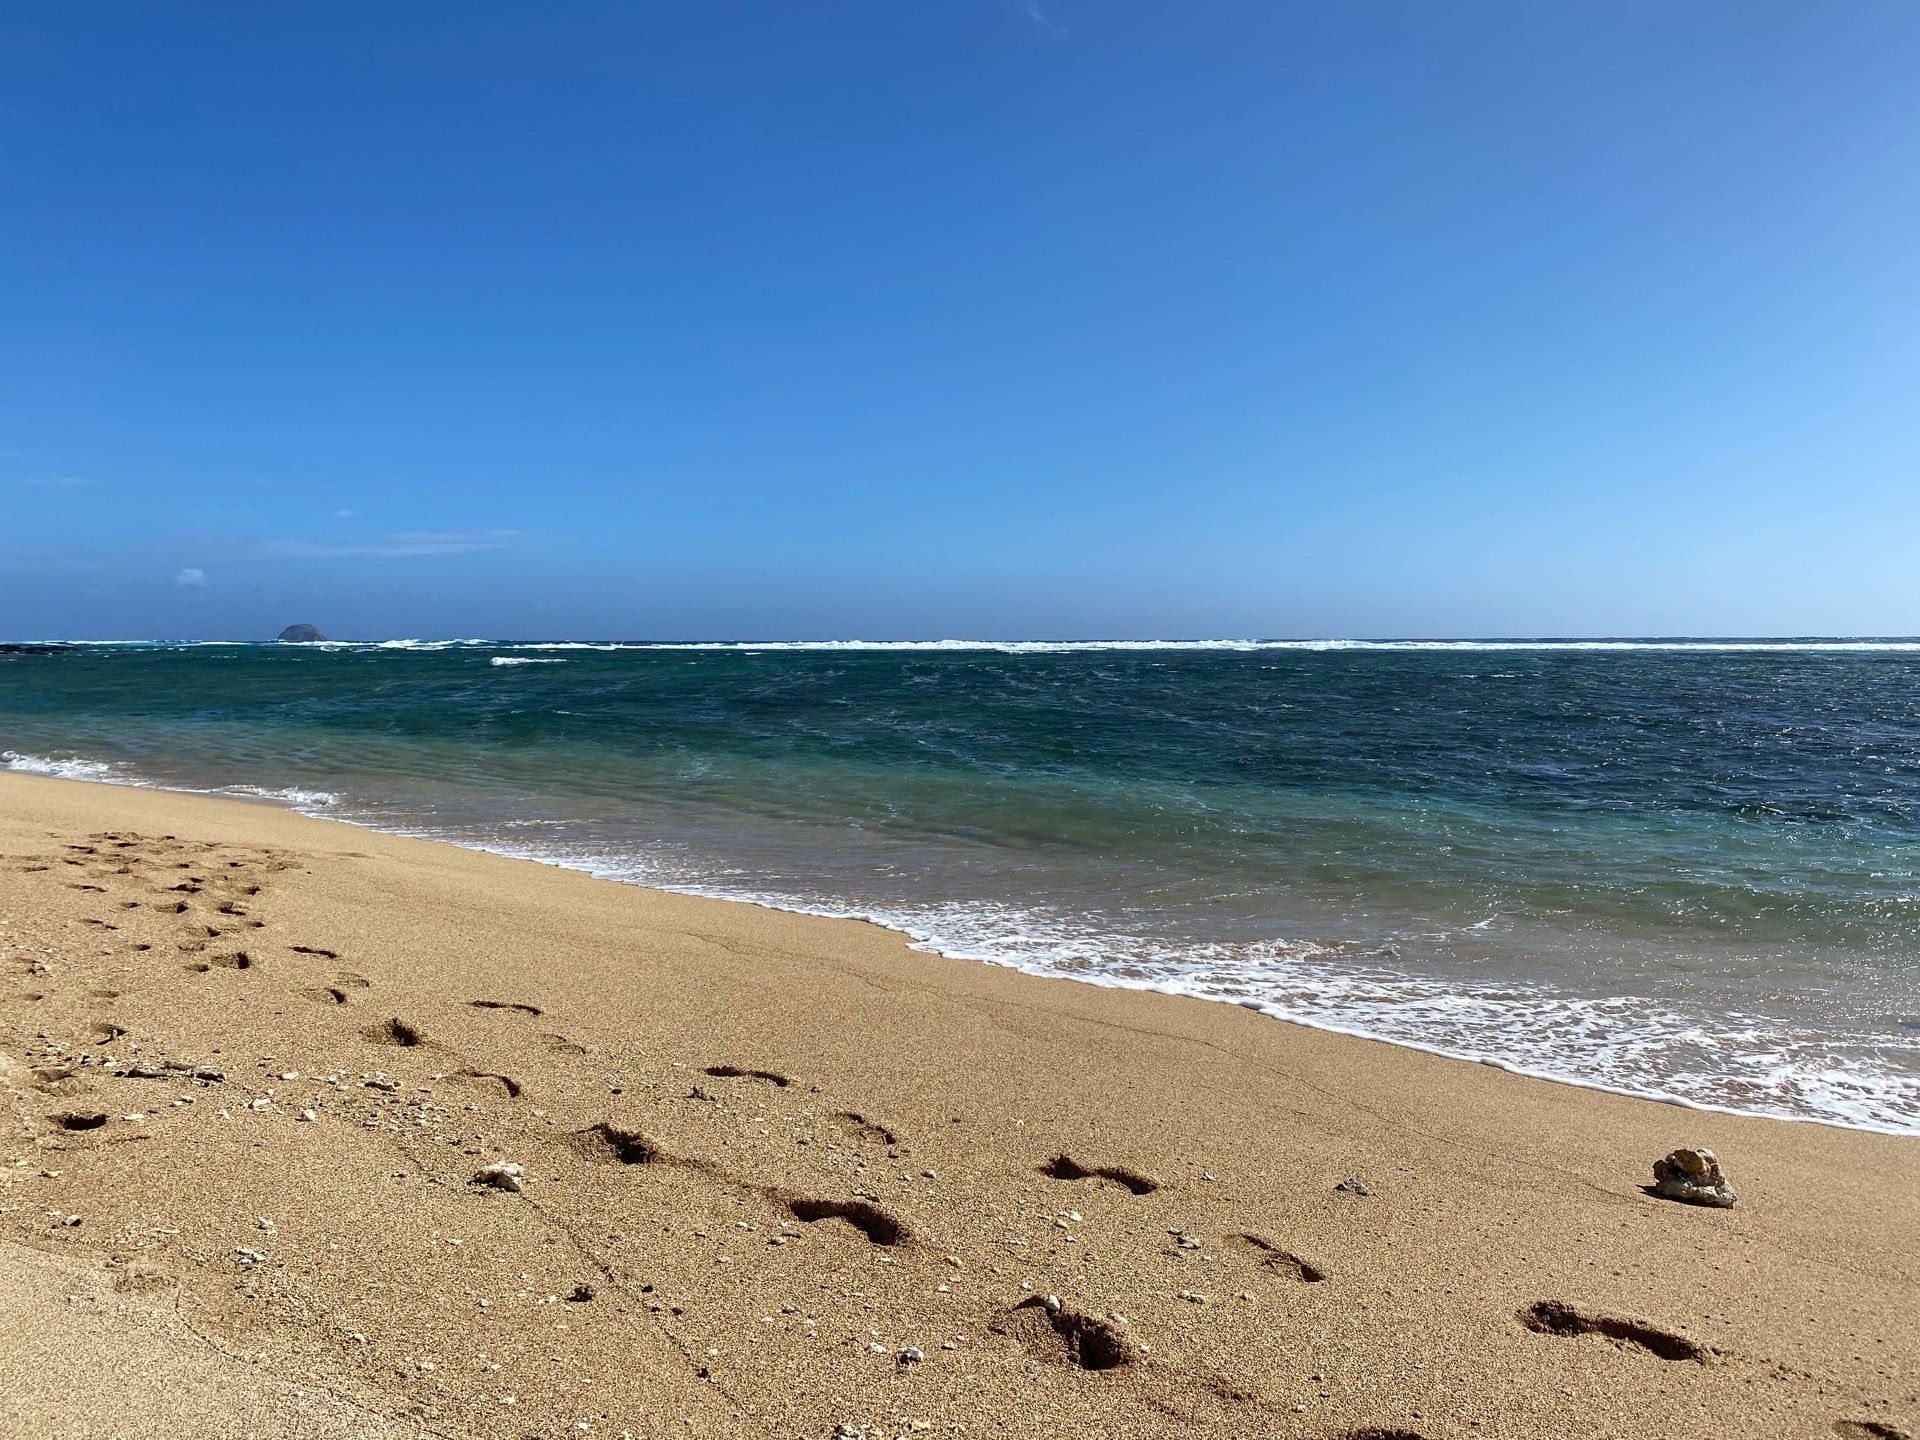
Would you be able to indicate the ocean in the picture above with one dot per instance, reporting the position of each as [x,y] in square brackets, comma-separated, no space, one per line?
[1678,869]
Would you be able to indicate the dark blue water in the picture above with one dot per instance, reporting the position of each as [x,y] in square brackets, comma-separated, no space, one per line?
[1677,870]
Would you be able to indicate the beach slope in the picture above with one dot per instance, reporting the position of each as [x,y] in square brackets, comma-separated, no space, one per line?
[783,1176]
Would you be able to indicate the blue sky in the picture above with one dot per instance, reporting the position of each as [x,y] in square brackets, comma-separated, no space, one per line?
[960,318]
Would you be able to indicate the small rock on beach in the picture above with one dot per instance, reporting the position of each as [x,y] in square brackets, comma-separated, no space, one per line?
[1692,1177]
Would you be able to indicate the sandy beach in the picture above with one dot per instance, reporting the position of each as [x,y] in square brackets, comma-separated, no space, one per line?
[781,1176]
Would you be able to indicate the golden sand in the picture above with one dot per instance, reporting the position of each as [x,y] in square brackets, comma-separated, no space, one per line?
[785,1177]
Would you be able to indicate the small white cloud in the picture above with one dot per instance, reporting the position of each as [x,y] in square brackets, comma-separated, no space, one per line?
[1034,14]
[343,514]
[191,578]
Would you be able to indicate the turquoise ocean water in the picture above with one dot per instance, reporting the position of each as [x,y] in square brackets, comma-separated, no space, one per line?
[1680,869]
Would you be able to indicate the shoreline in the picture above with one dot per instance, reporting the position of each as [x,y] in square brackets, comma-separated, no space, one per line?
[920,942]
[805,1176]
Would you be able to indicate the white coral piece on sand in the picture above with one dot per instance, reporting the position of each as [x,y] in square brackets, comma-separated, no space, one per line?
[502,1175]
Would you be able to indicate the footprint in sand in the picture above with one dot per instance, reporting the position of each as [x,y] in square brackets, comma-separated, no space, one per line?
[864,1127]
[396,1032]
[314,950]
[1065,1167]
[505,1005]
[734,1072]
[608,1144]
[77,1120]
[1273,1257]
[1868,1430]
[561,1045]
[869,1219]
[1059,1335]
[490,1082]
[338,992]
[1551,1317]
[235,960]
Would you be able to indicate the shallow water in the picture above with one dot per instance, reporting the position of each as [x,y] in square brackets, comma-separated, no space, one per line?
[1678,870]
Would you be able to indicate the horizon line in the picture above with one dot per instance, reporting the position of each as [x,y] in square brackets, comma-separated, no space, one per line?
[1570,642]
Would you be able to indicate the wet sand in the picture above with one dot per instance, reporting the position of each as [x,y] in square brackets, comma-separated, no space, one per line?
[785,1177]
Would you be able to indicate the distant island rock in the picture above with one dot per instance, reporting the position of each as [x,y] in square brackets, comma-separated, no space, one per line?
[300,634]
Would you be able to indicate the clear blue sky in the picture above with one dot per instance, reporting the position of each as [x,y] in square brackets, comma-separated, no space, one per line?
[960,318]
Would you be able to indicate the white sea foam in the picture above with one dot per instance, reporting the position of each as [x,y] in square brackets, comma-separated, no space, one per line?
[78,768]
[289,795]
[403,644]
[525,660]
[62,767]
[1068,647]
[1054,647]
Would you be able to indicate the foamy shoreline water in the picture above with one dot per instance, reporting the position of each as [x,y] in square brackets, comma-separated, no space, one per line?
[1346,1007]
[101,772]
